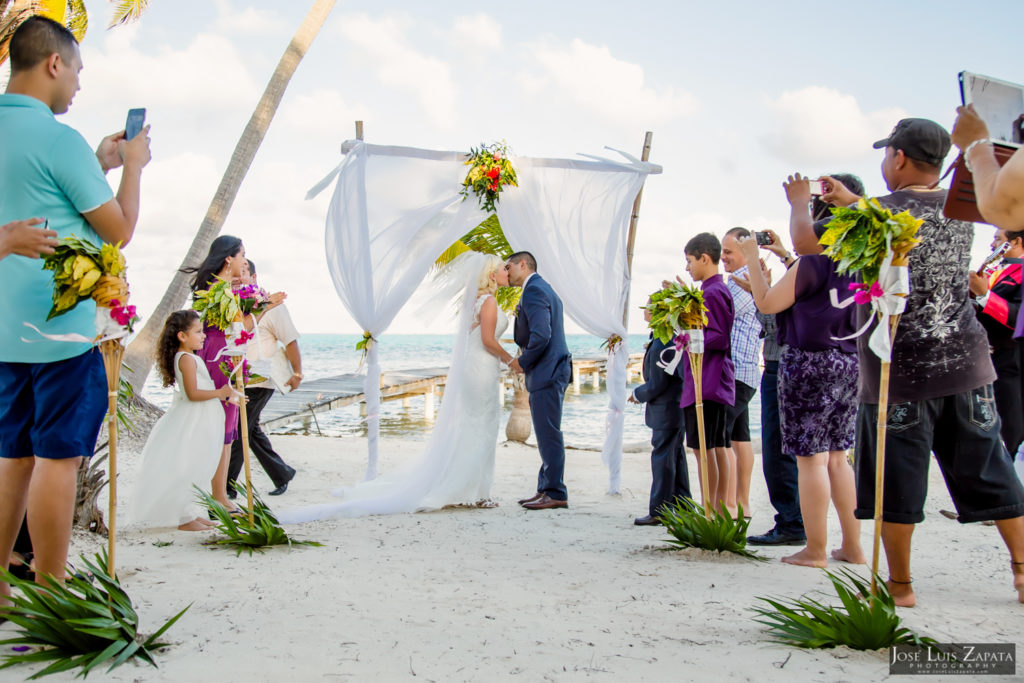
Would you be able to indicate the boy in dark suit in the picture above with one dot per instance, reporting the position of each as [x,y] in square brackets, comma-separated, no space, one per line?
[670,478]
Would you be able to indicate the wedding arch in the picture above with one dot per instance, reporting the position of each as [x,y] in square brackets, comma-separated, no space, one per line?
[395,209]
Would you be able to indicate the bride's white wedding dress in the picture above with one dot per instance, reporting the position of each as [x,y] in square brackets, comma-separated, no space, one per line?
[457,466]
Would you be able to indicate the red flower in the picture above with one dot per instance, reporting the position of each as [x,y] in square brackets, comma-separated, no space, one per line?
[494,186]
[493,173]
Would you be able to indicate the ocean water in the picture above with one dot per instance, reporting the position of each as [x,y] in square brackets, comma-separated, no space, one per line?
[325,355]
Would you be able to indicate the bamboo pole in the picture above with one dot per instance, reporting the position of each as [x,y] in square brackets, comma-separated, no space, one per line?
[359,130]
[634,217]
[880,425]
[697,371]
[112,351]
[243,430]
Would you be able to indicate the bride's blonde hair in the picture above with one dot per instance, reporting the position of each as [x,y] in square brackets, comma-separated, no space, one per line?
[485,283]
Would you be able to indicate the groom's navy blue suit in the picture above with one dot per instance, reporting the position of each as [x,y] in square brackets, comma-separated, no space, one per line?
[547,364]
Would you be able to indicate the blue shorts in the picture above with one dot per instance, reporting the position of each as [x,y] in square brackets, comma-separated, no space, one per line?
[52,410]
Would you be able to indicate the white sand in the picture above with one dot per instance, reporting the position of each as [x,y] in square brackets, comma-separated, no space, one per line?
[507,594]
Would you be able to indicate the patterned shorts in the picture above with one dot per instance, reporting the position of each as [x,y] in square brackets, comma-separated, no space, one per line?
[817,400]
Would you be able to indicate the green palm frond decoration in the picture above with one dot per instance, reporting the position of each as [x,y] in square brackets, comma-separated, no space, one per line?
[264,532]
[77,18]
[486,238]
[690,528]
[864,621]
[126,11]
[84,622]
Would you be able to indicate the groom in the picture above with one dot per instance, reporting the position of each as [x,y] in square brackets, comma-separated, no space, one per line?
[545,360]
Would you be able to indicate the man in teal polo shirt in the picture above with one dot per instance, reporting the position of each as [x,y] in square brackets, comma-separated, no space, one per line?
[52,394]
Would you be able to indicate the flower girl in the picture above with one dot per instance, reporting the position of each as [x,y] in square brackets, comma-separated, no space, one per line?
[184,448]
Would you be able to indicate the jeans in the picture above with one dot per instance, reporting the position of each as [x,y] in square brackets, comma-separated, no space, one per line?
[780,474]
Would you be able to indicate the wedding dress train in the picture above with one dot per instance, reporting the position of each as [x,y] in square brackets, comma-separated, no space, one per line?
[457,466]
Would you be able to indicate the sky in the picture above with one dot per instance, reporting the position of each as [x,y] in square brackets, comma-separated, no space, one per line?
[738,95]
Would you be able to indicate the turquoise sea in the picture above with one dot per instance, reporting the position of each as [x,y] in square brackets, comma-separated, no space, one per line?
[325,355]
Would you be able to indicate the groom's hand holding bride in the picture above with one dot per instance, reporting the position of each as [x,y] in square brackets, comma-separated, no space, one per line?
[515,367]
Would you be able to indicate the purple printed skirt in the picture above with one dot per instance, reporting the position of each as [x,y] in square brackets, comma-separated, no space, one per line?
[817,400]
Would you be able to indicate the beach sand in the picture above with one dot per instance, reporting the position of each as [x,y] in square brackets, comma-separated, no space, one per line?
[507,594]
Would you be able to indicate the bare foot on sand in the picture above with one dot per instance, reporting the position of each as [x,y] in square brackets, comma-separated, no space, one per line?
[195,525]
[805,558]
[854,556]
[902,593]
[206,522]
[1018,579]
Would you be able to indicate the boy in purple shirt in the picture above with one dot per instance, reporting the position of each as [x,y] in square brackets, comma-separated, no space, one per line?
[718,376]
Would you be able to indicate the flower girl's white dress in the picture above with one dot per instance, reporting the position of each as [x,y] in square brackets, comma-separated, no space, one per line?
[182,451]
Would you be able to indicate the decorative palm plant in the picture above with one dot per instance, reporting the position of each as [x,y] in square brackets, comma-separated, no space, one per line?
[253,532]
[85,622]
[866,619]
[691,527]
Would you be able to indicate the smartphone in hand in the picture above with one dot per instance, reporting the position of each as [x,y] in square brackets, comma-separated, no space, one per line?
[133,126]
[817,187]
[763,238]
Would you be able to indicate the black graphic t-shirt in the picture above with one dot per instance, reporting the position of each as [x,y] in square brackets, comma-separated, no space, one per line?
[940,349]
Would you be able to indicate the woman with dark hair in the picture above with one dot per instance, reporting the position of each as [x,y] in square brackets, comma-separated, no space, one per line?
[809,213]
[817,392]
[225,261]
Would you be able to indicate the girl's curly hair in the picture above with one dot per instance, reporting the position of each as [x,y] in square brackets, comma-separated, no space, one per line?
[167,347]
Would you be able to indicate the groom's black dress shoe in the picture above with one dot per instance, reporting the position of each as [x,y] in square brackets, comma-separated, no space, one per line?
[279,490]
[647,520]
[777,537]
[535,497]
[546,502]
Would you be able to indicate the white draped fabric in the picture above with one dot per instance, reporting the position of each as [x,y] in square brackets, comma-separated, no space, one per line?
[391,216]
[395,209]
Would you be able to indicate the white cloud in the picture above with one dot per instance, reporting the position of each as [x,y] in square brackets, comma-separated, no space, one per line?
[477,32]
[397,63]
[249,21]
[604,86]
[208,73]
[323,113]
[818,125]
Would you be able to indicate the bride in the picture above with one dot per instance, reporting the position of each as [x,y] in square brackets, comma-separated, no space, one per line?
[457,467]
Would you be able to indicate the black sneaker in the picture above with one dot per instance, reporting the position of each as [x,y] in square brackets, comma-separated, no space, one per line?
[777,537]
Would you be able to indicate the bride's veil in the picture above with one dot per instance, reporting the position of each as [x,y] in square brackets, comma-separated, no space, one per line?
[403,491]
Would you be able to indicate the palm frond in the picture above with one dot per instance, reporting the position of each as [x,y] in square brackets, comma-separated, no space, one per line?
[864,621]
[264,532]
[126,11]
[690,528]
[76,18]
[84,622]
[488,238]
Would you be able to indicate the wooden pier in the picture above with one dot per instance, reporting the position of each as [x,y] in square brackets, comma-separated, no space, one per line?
[329,393]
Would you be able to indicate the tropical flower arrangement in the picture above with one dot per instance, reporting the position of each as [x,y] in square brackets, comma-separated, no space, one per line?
[859,237]
[218,306]
[251,298]
[81,270]
[223,304]
[490,171]
[227,366]
[674,308]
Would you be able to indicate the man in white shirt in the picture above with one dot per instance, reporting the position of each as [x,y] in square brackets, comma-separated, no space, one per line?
[274,328]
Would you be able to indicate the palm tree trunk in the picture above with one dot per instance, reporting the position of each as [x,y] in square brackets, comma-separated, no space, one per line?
[139,355]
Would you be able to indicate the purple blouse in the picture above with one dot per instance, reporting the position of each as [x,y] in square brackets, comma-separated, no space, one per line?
[812,323]
[719,375]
